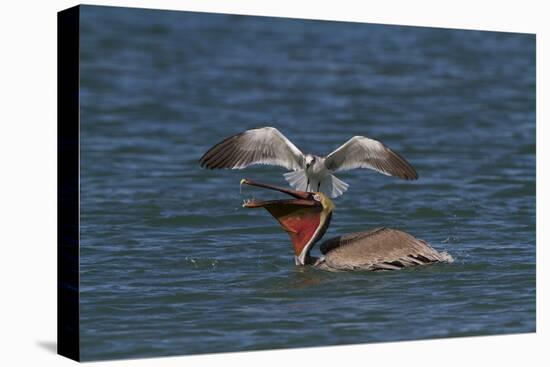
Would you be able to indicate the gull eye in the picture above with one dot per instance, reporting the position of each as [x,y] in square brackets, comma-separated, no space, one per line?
[317,197]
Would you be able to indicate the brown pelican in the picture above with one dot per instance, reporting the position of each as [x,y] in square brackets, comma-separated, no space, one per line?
[306,219]
[310,172]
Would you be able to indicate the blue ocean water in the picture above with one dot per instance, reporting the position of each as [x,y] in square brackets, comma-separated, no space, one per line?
[170,262]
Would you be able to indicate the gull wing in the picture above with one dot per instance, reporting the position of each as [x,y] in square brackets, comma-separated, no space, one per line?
[264,145]
[363,152]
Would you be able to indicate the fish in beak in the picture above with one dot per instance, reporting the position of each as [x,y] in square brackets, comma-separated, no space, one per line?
[305,218]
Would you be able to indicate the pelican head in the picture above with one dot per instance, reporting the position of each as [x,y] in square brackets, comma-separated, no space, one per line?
[305,218]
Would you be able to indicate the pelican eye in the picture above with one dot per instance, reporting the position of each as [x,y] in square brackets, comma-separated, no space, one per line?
[317,197]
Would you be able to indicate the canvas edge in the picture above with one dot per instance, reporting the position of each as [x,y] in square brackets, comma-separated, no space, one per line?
[68,212]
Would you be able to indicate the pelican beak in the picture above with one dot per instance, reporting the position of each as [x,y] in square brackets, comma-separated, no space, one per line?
[305,218]
[297,194]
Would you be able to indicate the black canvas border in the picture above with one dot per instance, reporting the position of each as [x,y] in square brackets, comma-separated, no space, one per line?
[68,185]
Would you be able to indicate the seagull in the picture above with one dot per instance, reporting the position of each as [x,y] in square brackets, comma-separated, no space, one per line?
[309,172]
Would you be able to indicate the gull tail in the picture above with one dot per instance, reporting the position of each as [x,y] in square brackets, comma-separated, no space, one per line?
[297,179]
[330,185]
[333,186]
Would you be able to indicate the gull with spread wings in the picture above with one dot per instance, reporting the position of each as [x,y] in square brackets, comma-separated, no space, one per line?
[266,145]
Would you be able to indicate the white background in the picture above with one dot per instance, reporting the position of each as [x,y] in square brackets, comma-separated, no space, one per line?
[28,182]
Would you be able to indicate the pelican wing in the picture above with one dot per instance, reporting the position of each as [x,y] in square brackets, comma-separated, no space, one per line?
[264,145]
[379,249]
[362,152]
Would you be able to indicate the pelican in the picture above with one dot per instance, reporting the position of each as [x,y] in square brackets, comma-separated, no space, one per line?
[309,172]
[306,219]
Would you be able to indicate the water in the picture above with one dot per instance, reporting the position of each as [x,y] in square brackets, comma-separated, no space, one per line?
[170,262]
